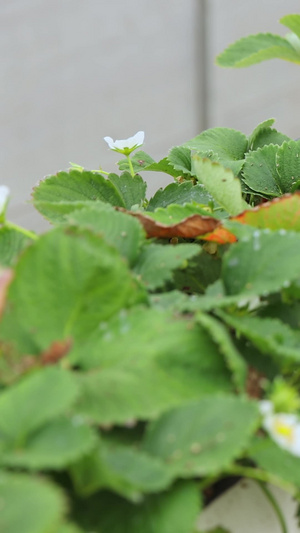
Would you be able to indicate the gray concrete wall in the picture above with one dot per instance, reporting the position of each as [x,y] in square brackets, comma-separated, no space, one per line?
[74,71]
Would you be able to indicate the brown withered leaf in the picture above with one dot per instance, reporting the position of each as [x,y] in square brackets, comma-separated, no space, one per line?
[6,276]
[220,235]
[188,228]
[14,364]
[279,213]
[56,351]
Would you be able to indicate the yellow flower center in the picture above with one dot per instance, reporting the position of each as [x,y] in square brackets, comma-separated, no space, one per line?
[284,430]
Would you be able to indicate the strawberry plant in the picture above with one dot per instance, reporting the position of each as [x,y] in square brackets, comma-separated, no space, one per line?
[150,346]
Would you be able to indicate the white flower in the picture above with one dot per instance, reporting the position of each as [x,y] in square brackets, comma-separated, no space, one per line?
[4,196]
[126,146]
[283,428]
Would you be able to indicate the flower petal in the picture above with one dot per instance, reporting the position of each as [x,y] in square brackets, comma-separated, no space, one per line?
[129,144]
[284,429]
[4,196]
[138,138]
[109,141]
[266,407]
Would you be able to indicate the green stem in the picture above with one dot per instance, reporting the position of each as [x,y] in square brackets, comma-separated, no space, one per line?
[25,232]
[208,481]
[294,378]
[101,170]
[261,475]
[130,166]
[275,506]
[251,199]
[217,209]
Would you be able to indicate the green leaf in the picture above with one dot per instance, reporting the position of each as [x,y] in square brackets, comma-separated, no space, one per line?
[140,160]
[201,271]
[164,339]
[288,164]
[256,48]
[56,212]
[269,335]
[168,512]
[203,437]
[175,301]
[156,262]
[180,194]
[256,359]
[233,358]
[179,302]
[221,184]
[29,505]
[180,159]
[131,188]
[294,40]
[52,389]
[247,264]
[225,145]
[296,187]
[260,171]
[214,298]
[273,170]
[119,230]
[164,166]
[54,196]
[268,136]
[174,213]
[265,125]
[275,460]
[122,469]
[68,528]
[75,280]
[180,361]
[54,446]
[288,313]
[119,395]
[216,530]
[292,293]
[292,22]
[12,243]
